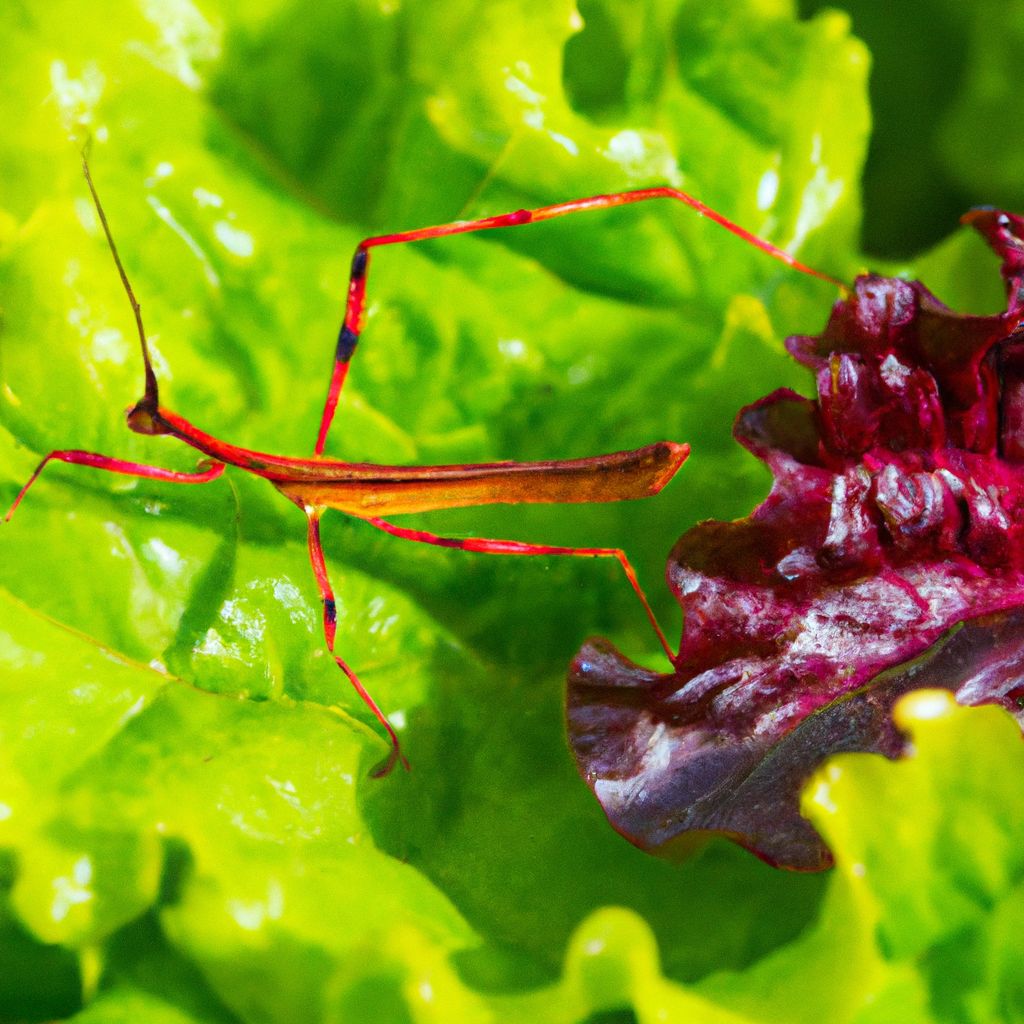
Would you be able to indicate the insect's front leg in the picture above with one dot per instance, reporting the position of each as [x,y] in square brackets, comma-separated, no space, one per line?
[112,465]
[316,557]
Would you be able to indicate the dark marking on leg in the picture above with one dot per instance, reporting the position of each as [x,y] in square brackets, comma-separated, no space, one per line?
[347,341]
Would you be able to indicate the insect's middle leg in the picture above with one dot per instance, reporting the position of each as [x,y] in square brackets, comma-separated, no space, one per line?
[492,546]
[355,301]
[316,557]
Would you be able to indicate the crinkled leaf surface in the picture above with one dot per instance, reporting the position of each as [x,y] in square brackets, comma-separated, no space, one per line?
[894,519]
[187,830]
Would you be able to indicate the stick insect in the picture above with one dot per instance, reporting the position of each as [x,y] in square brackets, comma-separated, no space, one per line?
[371,492]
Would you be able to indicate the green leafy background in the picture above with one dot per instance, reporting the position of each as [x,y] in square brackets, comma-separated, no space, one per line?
[188,832]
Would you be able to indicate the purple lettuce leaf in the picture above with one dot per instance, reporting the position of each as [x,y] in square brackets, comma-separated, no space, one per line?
[888,556]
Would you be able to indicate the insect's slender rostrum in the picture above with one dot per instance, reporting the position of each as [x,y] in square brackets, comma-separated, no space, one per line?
[372,492]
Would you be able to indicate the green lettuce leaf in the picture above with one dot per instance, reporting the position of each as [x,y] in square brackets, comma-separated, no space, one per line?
[187,826]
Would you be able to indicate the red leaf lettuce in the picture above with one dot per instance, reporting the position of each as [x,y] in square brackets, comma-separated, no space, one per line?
[888,556]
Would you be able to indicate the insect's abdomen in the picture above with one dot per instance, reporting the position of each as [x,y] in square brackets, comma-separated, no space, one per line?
[367,491]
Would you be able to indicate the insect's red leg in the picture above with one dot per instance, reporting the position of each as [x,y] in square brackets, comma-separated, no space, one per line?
[348,337]
[490,546]
[352,324]
[316,557]
[111,465]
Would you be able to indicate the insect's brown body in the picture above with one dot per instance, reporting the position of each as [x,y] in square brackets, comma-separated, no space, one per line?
[367,490]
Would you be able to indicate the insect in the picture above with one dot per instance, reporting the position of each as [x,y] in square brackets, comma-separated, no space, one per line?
[371,492]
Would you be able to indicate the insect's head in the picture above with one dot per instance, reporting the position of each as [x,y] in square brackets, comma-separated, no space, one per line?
[143,417]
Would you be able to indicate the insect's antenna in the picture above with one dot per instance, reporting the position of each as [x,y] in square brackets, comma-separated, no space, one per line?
[150,401]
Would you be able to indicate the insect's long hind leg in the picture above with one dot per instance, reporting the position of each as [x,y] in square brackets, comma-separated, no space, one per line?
[490,546]
[112,465]
[355,302]
[316,557]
